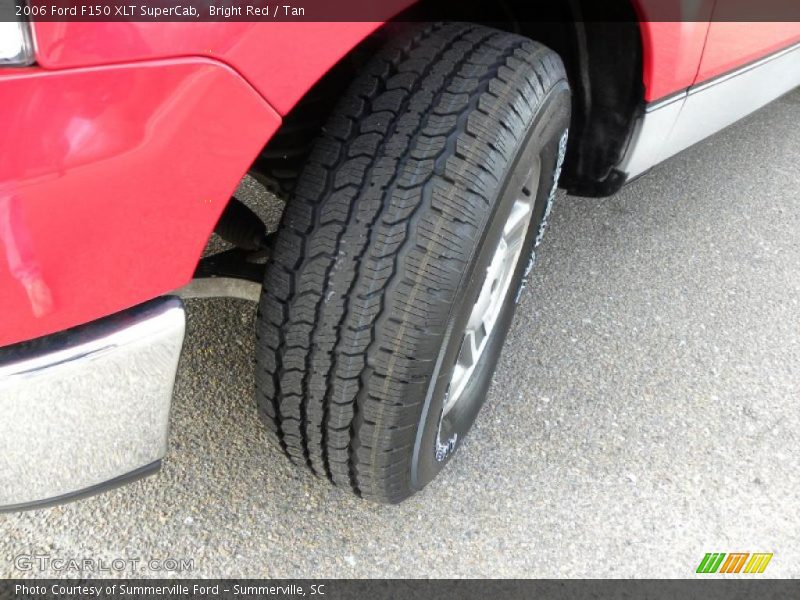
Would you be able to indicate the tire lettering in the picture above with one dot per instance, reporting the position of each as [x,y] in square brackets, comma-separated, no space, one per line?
[562,152]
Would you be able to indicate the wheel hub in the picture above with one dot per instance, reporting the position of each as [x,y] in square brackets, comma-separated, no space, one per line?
[494,291]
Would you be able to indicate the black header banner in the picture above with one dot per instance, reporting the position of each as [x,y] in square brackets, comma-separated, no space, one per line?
[401,10]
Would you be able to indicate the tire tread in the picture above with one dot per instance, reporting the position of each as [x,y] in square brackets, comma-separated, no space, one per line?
[361,281]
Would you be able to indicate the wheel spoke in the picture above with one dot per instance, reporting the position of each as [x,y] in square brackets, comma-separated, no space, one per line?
[517,224]
[532,181]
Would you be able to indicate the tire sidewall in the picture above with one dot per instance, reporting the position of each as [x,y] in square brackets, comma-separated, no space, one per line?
[542,138]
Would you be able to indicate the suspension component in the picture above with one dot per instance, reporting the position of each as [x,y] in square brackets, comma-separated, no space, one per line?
[240,226]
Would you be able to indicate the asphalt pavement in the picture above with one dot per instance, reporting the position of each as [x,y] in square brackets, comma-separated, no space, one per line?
[646,411]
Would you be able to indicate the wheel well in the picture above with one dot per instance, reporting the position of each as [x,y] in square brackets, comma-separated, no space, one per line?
[603,61]
[604,64]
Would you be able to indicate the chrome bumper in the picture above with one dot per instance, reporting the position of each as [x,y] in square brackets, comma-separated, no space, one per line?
[89,406]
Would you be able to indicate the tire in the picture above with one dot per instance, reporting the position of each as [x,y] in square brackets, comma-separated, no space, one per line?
[385,248]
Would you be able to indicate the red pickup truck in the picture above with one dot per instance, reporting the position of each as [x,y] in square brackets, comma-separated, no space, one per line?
[418,160]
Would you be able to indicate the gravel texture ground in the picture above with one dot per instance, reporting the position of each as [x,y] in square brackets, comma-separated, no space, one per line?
[645,410]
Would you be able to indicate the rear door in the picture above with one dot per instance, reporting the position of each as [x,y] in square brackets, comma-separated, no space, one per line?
[733,43]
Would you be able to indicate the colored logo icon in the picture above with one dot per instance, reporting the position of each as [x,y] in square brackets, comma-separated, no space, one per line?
[736,562]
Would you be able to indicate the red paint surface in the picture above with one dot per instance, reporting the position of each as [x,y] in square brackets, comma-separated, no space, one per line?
[672,49]
[732,45]
[672,53]
[111,180]
[281,60]
[678,55]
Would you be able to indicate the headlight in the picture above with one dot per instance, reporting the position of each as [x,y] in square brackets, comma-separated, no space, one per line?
[16,45]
